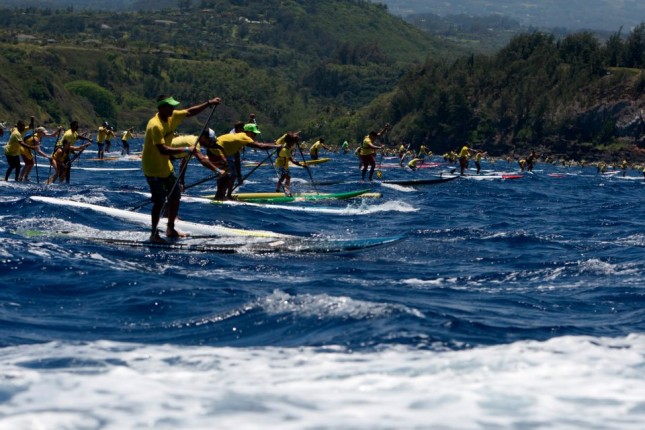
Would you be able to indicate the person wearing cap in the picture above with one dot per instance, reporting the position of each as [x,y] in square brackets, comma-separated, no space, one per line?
[478,160]
[368,151]
[315,148]
[206,139]
[12,149]
[156,164]
[109,135]
[285,155]
[423,153]
[31,149]
[61,161]
[345,147]
[100,138]
[464,155]
[238,127]
[125,137]
[228,158]
[71,135]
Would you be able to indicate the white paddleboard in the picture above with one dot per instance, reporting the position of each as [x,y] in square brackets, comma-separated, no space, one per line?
[144,219]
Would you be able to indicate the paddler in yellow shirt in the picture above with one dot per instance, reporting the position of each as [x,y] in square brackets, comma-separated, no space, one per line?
[478,160]
[109,135]
[125,141]
[156,164]
[402,151]
[368,151]
[100,139]
[207,138]
[227,157]
[71,135]
[12,149]
[464,155]
[315,148]
[61,161]
[285,155]
[31,149]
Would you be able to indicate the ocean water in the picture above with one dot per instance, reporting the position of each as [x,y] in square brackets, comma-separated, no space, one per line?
[508,304]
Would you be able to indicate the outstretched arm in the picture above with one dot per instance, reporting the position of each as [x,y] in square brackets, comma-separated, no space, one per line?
[196,109]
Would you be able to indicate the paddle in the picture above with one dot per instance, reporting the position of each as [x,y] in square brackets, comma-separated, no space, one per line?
[35,153]
[55,143]
[267,151]
[185,165]
[145,202]
[255,168]
[76,157]
[304,162]
[379,173]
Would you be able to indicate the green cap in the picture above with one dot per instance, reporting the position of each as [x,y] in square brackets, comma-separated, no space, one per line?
[168,101]
[252,128]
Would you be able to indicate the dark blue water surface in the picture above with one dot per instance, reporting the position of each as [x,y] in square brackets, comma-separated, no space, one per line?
[482,262]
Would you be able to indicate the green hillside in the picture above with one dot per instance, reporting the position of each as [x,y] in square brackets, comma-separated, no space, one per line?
[334,68]
[266,59]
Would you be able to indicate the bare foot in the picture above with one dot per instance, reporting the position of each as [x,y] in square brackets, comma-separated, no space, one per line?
[155,238]
[174,233]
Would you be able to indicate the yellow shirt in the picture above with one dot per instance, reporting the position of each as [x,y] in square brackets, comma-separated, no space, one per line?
[126,136]
[13,145]
[100,138]
[464,152]
[184,142]
[109,135]
[26,152]
[315,147]
[281,140]
[413,163]
[283,158]
[232,143]
[158,132]
[365,148]
[70,136]
[60,155]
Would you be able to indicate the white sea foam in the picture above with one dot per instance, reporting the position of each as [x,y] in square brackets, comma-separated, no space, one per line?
[564,383]
[400,188]
[363,207]
[324,306]
[599,267]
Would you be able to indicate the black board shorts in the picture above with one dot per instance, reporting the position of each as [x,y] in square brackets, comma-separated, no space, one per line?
[163,188]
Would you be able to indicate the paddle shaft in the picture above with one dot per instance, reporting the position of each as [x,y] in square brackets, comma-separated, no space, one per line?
[182,170]
[35,153]
[267,151]
[256,167]
[307,167]
[194,184]
[55,143]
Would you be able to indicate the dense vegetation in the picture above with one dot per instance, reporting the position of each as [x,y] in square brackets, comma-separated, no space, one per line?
[272,59]
[566,96]
[334,68]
